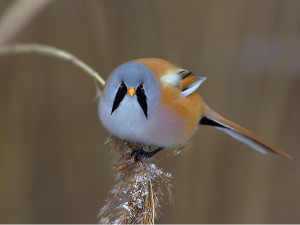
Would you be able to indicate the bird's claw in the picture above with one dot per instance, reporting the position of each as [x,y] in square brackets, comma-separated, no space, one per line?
[139,154]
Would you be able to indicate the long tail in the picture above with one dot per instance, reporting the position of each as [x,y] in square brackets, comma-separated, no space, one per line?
[212,118]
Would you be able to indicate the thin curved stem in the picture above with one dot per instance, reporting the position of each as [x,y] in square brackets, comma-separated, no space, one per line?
[47,50]
[152,201]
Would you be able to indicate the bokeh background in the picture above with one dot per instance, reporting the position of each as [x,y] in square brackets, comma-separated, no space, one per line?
[54,166]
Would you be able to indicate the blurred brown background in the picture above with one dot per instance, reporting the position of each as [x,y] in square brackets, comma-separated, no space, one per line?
[54,167]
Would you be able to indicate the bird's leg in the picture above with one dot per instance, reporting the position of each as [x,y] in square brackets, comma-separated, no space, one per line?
[140,153]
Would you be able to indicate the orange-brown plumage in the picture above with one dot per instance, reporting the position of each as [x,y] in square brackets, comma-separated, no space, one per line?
[209,113]
[190,108]
[179,110]
[159,67]
[184,84]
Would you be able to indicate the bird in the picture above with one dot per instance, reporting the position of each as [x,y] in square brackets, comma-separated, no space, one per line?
[154,102]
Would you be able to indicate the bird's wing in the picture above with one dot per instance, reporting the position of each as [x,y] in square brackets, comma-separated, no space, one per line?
[190,82]
[247,137]
[185,80]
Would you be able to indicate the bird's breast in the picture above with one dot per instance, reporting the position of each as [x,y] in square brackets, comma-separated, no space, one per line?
[162,127]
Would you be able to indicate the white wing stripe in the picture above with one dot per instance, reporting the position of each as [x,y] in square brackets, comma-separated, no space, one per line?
[244,139]
[193,87]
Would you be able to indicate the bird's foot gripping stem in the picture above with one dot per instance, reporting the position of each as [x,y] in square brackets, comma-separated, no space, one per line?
[139,154]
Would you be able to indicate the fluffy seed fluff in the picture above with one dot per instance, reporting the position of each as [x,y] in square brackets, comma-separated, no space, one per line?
[139,188]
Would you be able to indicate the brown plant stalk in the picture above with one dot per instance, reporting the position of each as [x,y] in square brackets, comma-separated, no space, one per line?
[139,188]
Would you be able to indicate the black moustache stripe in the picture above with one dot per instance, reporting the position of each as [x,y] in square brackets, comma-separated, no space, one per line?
[142,99]
[119,97]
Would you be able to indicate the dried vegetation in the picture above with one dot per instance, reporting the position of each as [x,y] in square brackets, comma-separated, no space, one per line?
[139,188]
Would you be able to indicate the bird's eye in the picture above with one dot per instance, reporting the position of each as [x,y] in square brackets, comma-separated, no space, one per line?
[141,86]
[121,84]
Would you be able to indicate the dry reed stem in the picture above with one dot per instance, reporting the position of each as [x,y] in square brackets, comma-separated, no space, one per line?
[152,202]
[18,15]
[139,187]
[50,51]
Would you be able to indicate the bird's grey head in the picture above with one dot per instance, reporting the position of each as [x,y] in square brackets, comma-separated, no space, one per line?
[132,91]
